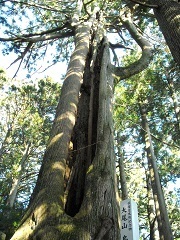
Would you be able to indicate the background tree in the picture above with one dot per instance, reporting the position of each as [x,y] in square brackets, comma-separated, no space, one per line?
[149,86]
[161,211]
[75,196]
[26,118]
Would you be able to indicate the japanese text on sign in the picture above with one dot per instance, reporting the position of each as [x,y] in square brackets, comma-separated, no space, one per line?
[129,220]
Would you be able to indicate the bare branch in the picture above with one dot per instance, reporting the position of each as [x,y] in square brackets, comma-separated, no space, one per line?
[27,49]
[40,38]
[118,45]
[85,8]
[22,54]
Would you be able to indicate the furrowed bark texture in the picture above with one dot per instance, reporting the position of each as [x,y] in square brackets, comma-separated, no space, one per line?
[168,17]
[100,200]
[47,201]
[76,193]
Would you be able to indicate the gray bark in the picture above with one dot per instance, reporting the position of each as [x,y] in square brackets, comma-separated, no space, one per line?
[167,15]
[122,174]
[154,233]
[16,180]
[147,53]
[47,201]
[97,215]
[175,102]
[101,192]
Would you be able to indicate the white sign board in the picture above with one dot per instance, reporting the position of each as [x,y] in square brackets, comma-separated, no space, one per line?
[129,220]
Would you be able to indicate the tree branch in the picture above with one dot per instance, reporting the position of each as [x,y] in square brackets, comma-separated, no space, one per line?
[118,45]
[121,73]
[28,4]
[145,4]
[34,39]
[85,8]
[27,49]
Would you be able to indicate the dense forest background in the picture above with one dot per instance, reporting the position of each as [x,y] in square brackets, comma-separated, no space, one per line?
[28,107]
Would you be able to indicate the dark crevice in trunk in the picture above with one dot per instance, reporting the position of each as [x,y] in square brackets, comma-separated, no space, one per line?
[79,151]
[96,81]
[84,135]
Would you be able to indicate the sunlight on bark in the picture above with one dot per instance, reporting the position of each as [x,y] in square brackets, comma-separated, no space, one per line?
[58,165]
[55,139]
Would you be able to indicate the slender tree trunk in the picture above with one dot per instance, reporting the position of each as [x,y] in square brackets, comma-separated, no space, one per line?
[154,234]
[175,102]
[122,174]
[4,142]
[123,181]
[76,193]
[161,211]
[167,15]
[17,179]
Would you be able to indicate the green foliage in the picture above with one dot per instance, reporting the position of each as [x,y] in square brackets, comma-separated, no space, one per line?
[151,88]
[27,109]
[36,18]
[10,218]
[27,112]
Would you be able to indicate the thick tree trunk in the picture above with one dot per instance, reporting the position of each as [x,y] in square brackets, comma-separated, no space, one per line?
[161,210]
[167,15]
[46,208]
[76,193]
[100,199]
